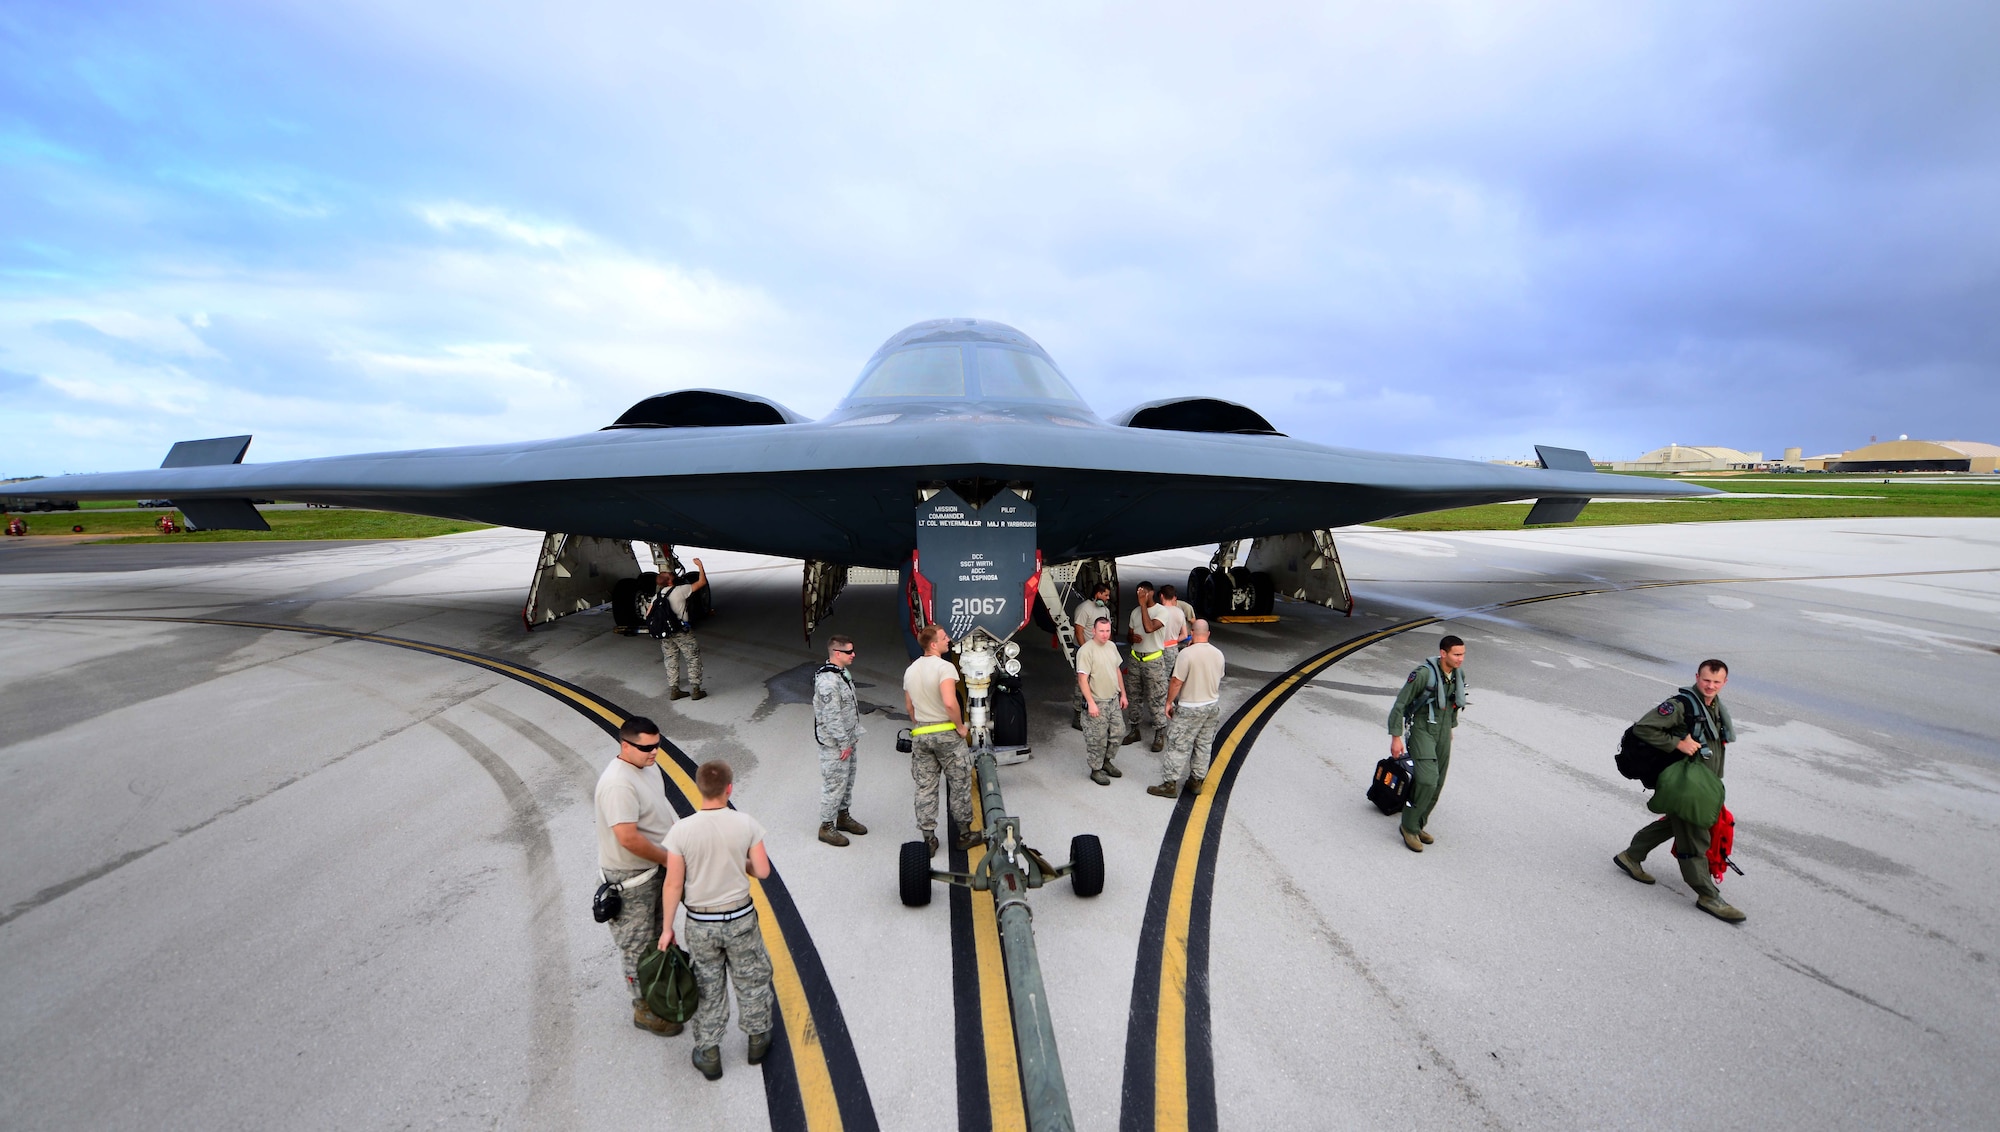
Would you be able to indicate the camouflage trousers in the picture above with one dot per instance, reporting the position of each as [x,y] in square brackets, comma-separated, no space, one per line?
[836,782]
[682,651]
[724,953]
[1146,690]
[1103,732]
[941,753]
[1191,734]
[637,928]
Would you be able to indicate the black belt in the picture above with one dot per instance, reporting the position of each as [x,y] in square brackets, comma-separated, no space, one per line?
[722,917]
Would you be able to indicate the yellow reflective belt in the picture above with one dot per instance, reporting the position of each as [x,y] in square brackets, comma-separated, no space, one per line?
[933,728]
[1149,657]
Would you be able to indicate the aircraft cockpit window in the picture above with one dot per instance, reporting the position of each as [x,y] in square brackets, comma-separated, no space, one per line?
[1014,375]
[923,371]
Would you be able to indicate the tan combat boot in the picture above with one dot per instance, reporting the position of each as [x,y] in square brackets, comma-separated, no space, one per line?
[644,1018]
[1112,770]
[1167,789]
[1424,835]
[1721,909]
[1632,868]
[697,694]
[845,823]
[1194,784]
[829,835]
[1411,840]
[1159,741]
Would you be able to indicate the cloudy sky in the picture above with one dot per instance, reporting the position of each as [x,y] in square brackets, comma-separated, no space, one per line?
[1452,228]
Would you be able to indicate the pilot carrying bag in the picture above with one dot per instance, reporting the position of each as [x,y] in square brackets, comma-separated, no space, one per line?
[666,982]
[1389,789]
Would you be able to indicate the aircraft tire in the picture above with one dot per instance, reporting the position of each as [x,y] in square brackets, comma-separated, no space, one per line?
[914,874]
[1197,590]
[1264,591]
[625,602]
[1088,855]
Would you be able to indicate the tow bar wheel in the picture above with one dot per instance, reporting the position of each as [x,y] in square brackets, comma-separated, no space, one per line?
[914,874]
[1086,854]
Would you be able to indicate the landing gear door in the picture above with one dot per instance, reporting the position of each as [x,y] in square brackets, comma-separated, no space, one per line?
[977,567]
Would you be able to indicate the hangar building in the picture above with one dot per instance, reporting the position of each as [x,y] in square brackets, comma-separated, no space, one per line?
[1689,458]
[1920,456]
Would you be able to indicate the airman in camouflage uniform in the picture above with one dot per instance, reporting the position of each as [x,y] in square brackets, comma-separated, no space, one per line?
[937,740]
[633,818]
[1147,632]
[711,856]
[1194,708]
[681,651]
[1428,705]
[1668,728]
[1081,622]
[1101,682]
[837,730]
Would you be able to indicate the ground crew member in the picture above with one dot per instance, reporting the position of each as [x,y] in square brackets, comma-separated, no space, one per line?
[1100,680]
[1148,635]
[937,740]
[1081,623]
[711,855]
[1194,709]
[1174,616]
[1428,706]
[680,649]
[632,820]
[1668,728]
[837,729]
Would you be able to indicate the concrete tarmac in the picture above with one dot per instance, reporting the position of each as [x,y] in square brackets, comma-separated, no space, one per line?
[252,878]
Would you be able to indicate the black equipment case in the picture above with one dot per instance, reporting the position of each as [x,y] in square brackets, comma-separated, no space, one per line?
[1389,789]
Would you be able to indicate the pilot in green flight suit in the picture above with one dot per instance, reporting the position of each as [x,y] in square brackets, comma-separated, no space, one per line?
[1428,706]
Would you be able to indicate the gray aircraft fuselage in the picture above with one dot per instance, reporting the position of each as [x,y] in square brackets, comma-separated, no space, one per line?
[841,489]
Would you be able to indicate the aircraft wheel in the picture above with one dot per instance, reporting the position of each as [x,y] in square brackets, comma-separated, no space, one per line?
[625,602]
[1197,590]
[1088,855]
[914,874]
[1264,592]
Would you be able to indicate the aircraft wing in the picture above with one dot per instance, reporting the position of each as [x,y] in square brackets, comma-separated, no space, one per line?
[842,490]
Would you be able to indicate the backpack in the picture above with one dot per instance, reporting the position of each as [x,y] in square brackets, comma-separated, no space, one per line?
[661,622]
[1640,760]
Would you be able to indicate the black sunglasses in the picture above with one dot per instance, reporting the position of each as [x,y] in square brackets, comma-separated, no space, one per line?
[849,652]
[642,746]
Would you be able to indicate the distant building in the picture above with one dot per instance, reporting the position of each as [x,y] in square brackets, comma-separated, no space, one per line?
[1690,458]
[1920,456]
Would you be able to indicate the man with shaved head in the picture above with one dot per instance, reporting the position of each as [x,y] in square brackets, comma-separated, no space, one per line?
[1194,711]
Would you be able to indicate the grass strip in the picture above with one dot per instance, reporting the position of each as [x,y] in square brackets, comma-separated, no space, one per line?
[1830,499]
[313,523]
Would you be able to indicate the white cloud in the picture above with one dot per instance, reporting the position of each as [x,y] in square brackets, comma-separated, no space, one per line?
[453,215]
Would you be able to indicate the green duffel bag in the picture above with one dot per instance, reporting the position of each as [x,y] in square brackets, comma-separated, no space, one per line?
[666,982]
[1690,791]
